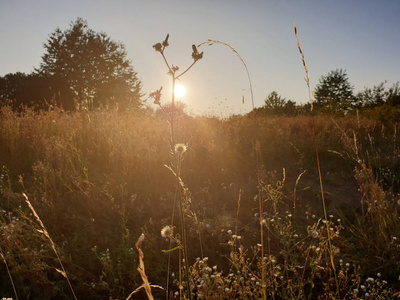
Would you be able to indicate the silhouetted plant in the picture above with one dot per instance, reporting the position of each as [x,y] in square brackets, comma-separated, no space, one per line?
[178,155]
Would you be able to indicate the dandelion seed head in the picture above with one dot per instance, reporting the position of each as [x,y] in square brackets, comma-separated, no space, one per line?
[180,148]
[166,231]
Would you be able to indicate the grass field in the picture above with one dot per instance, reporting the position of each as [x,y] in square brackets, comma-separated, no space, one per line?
[246,215]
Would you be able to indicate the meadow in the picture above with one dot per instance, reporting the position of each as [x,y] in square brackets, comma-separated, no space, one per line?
[245,207]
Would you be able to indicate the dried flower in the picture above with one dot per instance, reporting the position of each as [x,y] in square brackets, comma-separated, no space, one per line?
[166,231]
[180,148]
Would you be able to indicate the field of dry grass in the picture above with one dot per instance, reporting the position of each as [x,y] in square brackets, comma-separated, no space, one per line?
[254,216]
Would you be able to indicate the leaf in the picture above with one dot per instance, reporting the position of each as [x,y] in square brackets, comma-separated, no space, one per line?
[171,250]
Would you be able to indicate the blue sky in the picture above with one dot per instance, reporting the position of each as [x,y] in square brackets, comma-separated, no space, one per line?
[360,36]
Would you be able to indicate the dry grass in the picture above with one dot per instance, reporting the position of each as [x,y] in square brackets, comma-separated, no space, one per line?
[97,181]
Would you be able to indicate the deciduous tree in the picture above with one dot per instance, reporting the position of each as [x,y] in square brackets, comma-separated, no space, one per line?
[95,67]
[334,93]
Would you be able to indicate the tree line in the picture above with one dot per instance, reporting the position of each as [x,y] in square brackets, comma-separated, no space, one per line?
[82,68]
[334,95]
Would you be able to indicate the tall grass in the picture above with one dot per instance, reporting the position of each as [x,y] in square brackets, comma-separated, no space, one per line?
[96,179]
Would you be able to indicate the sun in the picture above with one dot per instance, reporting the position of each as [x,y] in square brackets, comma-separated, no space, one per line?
[180,91]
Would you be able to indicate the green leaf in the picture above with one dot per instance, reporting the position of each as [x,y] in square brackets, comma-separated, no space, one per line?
[170,250]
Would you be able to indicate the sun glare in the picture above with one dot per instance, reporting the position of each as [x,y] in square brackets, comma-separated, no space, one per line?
[180,91]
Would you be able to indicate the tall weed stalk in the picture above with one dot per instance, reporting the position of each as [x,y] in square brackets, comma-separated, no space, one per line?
[177,151]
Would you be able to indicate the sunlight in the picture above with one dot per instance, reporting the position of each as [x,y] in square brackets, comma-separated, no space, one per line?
[180,91]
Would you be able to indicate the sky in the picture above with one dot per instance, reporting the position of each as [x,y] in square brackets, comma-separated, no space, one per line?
[359,36]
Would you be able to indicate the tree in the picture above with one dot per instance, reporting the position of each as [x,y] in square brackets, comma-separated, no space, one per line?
[369,98]
[334,93]
[393,95]
[35,90]
[274,104]
[95,67]
[378,96]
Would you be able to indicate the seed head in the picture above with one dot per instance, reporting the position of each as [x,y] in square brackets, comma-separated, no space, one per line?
[167,231]
[180,148]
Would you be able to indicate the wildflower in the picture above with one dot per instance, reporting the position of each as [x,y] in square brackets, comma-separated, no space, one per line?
[370,279]
[180,148]
[355,291]
[362,287]
[166,231]
[314,234]
[226,289]
[366,295]
[379,274]
[156,94]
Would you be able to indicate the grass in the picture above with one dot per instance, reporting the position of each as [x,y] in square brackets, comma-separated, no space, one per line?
[244,230]
[97,181]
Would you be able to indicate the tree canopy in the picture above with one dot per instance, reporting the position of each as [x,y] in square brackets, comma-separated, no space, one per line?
[334,93]
[95,67]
